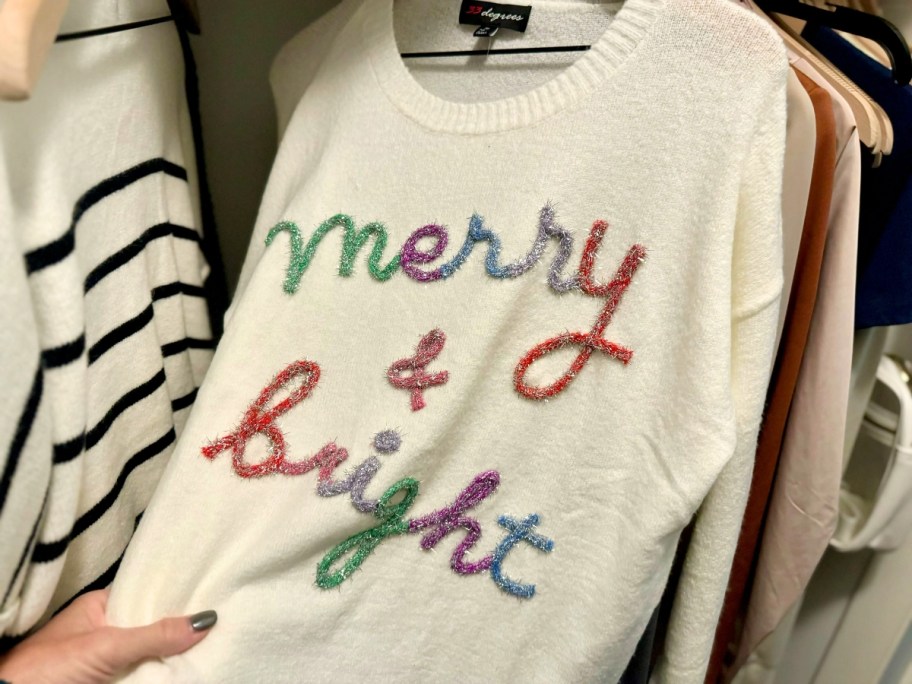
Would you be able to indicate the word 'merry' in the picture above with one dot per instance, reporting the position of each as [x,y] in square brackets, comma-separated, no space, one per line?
[411,260]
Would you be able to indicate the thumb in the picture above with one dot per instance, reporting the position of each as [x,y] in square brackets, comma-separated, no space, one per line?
[126,647]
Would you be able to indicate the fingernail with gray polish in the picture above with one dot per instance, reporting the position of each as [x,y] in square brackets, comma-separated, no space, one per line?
[203,621]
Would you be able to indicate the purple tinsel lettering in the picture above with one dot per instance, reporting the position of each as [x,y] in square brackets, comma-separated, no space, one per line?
[412,255]
[451,517]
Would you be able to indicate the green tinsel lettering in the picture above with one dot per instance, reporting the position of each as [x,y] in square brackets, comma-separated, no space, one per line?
[352,242]
[365,542]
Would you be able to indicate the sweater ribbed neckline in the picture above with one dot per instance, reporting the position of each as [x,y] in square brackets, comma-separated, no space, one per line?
[629,27]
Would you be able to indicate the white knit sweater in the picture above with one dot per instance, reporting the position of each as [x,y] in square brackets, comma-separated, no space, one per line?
[555,339]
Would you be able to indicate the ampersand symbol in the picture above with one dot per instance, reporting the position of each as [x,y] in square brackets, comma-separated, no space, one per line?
[418,379]
[260,420]
[591,341]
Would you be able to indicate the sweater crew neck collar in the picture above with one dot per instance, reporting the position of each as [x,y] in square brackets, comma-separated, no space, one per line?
[629,27]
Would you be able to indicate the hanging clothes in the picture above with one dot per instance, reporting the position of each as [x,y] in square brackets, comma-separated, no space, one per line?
[99,203]
[575,198]
[884,293]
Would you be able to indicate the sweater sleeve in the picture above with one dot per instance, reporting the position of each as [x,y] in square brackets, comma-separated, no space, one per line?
[756,288]
[25,447]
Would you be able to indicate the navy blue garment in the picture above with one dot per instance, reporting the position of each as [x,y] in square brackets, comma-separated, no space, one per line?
[884,288]
[642,662]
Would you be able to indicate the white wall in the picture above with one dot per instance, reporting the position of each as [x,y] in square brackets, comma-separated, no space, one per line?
[233,55]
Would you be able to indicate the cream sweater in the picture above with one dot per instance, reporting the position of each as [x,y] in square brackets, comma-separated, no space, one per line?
[489,356]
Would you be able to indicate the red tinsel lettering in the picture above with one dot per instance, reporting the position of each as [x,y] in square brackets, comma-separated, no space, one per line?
[593,340]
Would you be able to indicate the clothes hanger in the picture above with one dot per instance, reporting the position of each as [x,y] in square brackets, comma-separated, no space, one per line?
[184,13]
[879,55]
[27,30]
[104,30]
[883,127]
[495,51]
[852,21]
[868,123]
[877,37]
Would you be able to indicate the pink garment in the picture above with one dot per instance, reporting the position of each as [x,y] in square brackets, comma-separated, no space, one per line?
[804,505]
[801,139]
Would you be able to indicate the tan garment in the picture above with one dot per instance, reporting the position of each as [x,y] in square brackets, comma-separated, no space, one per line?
[785,373]
[804,505]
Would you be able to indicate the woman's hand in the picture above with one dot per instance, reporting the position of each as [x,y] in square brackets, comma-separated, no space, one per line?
[78,647]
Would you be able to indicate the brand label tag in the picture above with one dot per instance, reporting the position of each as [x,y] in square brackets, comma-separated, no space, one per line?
[482,13]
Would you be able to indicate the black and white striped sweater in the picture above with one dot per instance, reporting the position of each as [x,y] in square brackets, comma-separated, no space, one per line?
[104,329]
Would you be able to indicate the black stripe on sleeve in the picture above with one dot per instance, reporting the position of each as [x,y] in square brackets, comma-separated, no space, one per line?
[132,250]
[50,551]
[94,514]
[51,253]
[64,354]
[171,289]
[177,347]
[184,401]
[57,250]
[26,550]
[105,578]
[67,451]
[72,351]
[23,428]
[136,394]
[120,333]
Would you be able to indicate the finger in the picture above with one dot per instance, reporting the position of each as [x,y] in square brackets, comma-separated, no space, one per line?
[121,648]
